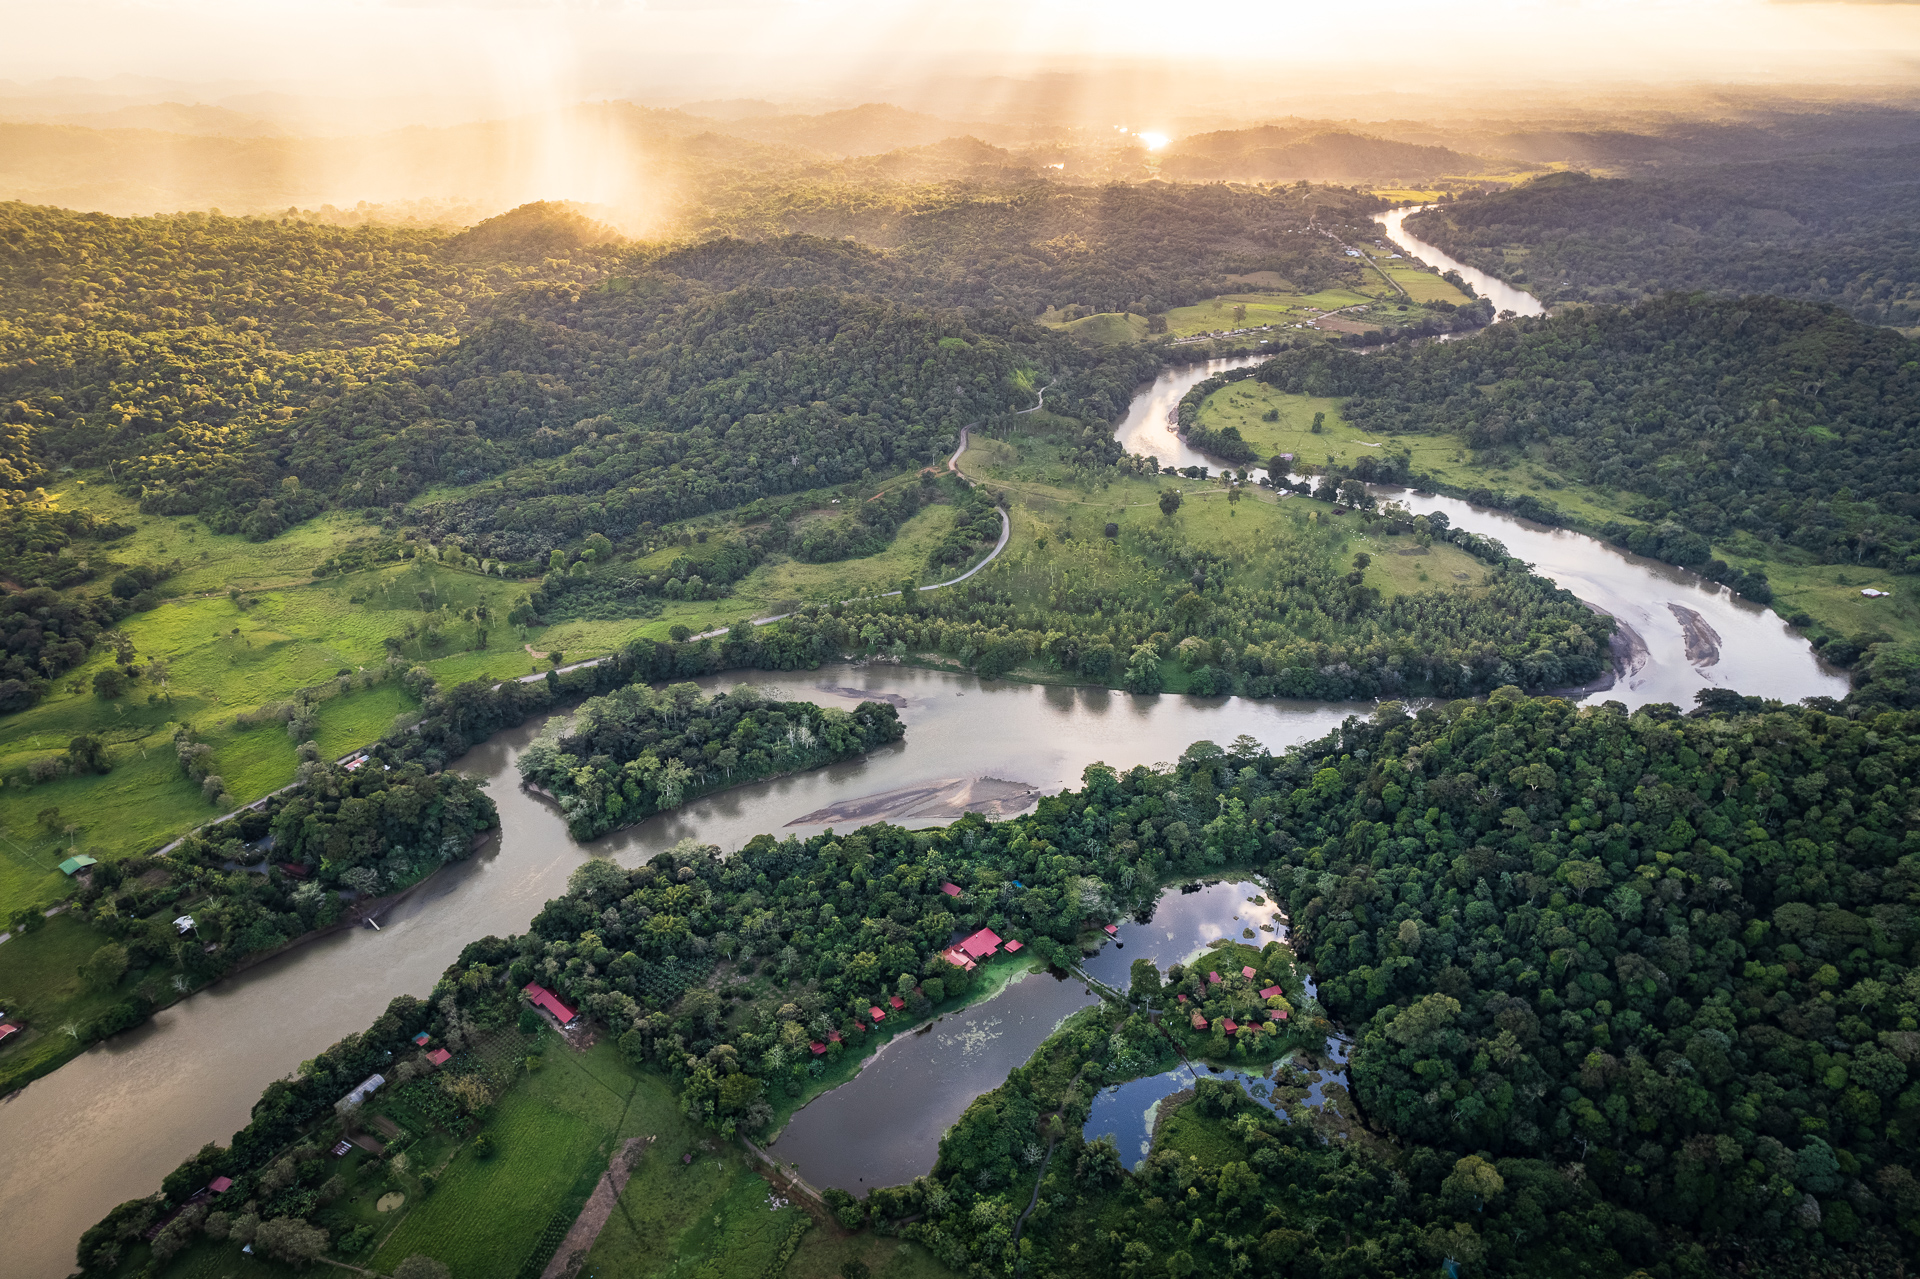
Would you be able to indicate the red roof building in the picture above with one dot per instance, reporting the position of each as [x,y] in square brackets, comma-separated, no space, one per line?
[819,1049]
[1276,1014]
[1248,973]
[1214,978]
[1269,992]
[544,998]
[833,1036]
[8,1031]
[958,959]
[951,890]
[896,1003]
[439,1056]
[1199,1022]
[220,1185]
[1181,998]
[1229,1026]
[981,944]
[421,1039]
[1012,946]
[877,1015]
[1112,930]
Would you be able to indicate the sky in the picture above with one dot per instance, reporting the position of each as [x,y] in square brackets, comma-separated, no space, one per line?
[518,55]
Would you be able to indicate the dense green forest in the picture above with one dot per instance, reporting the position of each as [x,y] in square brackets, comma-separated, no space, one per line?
[1649,973]
[633,752]
[1782,420]
[1835,227]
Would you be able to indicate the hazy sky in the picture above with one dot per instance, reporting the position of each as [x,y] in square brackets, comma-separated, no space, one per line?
[532,53]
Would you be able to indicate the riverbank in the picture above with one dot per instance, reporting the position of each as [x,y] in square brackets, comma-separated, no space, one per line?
[71,1015]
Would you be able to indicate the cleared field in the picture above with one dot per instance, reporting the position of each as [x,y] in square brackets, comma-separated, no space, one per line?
[554,1129]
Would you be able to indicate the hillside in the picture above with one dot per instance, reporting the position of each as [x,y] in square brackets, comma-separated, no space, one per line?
[1835,228]
[1273,153]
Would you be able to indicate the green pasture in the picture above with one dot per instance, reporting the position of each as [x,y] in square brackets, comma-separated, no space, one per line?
[1108,328]
[555,1126]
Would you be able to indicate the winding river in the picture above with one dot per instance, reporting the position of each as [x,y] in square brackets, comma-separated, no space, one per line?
[107,1126]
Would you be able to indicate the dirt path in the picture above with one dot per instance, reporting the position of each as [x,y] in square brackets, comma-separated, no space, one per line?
[573,1250]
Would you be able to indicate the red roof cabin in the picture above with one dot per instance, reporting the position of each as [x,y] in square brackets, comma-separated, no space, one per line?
[1181,998]
[1269,992]
[1112,930]
[1213,978]
[439,1056]
[421,1039]
[220,1185]
[819,1049]
[981,944]
[1229,1026]
[1248,973]
[1013,946]
[877,1015]
[543,998]
[8,1031]
[833,1036]
[951,890]
[958,959]
[1276,1014]
[1199,1022]
[896,1003]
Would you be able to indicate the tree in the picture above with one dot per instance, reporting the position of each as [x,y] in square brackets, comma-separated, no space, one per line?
[88,754]
[109,683]
[1473,1183]
[421,1267]
[290,1240]
[1146,980]
[105,967]
[1169,502]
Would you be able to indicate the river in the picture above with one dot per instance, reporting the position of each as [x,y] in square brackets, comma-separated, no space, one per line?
[108,1125]
[1503,295]
[119,1117]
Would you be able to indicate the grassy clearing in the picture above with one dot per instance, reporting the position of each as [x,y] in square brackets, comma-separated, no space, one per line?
[554,1127]
[1107,328]
[1210,1141]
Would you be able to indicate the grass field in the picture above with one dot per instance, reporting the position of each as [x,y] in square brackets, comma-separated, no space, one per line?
[554,1127]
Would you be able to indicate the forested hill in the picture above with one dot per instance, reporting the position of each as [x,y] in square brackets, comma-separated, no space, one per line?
[1837,228]
[255,372]
[1787,420]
